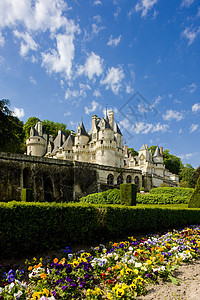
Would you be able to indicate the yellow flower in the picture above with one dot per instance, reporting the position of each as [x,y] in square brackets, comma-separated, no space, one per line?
[149,262]
[45,292]
[36,296]
[75,263]
[136,271]
[129,271]
[109,296]
[43,276]
[122,272]
[119,293]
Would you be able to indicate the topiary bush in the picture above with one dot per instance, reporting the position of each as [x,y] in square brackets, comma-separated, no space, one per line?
[174,191]
[194,201]
[128,193]
[108,197]
[114,197]
[161,199]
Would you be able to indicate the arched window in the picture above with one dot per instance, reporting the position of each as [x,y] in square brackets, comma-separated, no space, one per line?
[120,179]
[48,189]
[128,179]
[137,182]
[110,179]
[27,182]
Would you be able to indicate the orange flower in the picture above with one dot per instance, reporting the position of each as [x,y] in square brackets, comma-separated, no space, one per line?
[30,268]
[43,276]
[55,260]
[161,259]
[115,245]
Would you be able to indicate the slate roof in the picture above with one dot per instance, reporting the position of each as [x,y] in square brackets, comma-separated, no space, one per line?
[157,153]
[69,142]
[116,129]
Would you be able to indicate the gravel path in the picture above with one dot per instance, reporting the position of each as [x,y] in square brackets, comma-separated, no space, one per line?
[187,289]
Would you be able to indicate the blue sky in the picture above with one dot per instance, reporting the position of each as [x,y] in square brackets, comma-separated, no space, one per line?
[66,60]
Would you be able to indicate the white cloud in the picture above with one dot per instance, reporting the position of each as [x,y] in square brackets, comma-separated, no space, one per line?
[172,114]
[145,6]
[117,12]
[96,29]
[74,94]
[129,89]
[186,3]
[97,2]
[188,155]
[92,108]
[97,18]
[97,93]
[92,67]
[198,13]
[196,107]
[2,40]
[190,88]
[19,112]
[27,44]
[190,34]
[180,131]
[60,60]
[193,127]
[114,42]
[145,128]
[156,101]
[113,79]
[68,113]
[32,80]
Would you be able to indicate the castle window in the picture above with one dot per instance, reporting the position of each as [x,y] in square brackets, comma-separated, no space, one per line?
[94,135]
[101,141]
[128,179]
[137,182]
[110,179]
[68,151]
[93,156]
[110,141]
[77,157]
[102,152]
[120,179]
[78,138]
[83,146]
[102,131]
[92,145]
[38,140]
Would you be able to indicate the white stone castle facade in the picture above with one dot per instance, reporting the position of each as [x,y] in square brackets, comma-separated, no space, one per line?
[103,145]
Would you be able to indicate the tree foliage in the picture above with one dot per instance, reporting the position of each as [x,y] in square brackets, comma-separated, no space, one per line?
[186,174]
[11,130]
[31,122]
[50,127]
[133,152]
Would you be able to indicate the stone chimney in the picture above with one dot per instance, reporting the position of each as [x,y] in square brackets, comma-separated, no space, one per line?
[94,121]
[161,151]
[111,119]
[126,150]
[73,132]
[40,128]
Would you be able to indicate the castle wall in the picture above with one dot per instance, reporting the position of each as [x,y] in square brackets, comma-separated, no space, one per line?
[55,179]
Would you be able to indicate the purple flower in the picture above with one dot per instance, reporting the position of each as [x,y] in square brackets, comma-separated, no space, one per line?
[63,287]
[54,293]
[11,275]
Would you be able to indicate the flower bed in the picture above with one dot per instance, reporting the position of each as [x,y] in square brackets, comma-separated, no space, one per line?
[117,271]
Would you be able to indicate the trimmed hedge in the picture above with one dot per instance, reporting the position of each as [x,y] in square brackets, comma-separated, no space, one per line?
[194,200]
[174,191]
[160,199]
[128,192]
[33,227]
[107,197]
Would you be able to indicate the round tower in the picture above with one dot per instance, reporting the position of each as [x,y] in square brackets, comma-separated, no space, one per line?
[36,144]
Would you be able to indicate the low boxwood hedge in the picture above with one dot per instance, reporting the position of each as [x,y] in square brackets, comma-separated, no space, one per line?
[161,199]
[27,228]
[174,191]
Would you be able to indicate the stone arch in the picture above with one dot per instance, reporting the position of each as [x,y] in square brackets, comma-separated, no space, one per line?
[137,182]
[110,179]
[128,179]
[119,179]
[48,189]
[27,178]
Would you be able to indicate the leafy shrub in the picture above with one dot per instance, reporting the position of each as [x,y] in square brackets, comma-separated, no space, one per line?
[174,191]
[114,197]
[154,199]
[27,227]
[128,192]
[107,197]
[194,200]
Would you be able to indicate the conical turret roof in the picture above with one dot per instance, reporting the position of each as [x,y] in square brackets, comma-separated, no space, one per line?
[157,153]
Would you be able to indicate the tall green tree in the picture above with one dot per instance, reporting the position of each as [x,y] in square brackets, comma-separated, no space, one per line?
[196,174]
[49,127]
[186,174]
[133,152]
[11,130]
[31,122]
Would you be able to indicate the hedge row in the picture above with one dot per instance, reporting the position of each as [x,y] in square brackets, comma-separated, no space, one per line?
[174,191]
[161,199]
[32,227]
[107,197]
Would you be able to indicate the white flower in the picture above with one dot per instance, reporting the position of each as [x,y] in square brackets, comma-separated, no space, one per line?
[18,294]
[130,248]
[70,255]
[11,286]
[138,265]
